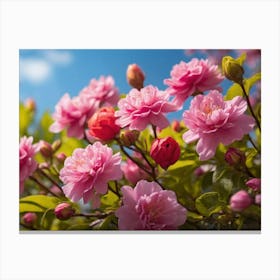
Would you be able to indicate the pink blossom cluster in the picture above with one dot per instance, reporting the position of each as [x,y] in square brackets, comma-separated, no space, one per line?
[73,113]
[27,164]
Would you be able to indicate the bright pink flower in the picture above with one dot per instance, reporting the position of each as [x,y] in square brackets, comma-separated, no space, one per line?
[147,106]
[132,172]
[148,207]
[87,172]
[102,92]
[72,114]
[240,201]
[27,164]
[213,120]
[254,184]
[194,76]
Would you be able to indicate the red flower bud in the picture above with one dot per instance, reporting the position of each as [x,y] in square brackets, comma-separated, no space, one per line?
[129,137]
[254,184]
[135,76]
[165,151]
[64,211]
[102,124]
[240,201]
[29,219]
[235,157]
[176,126]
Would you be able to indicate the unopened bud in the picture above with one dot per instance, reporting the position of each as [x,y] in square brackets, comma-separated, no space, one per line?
[135,76]
[232,69]
[56,145]
[128,137]
[61,157]
[64,211]
[30,104]
[240,201]
[29,219]
[254,184]
[176,126]
[235,157]
[46,149]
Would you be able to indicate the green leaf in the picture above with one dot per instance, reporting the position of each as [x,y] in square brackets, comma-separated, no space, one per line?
[209,203]
[224,188]
[248,83]
[37,203]
[45,123]
[218,173]
[26,118]
[241,59]
[192,216]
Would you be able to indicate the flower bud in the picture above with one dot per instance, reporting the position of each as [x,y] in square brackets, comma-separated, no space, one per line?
[240,201]
[102,124]
[135,76]
[176,126]
[29,219]
[254,184]
[258,199]
[44,165]
[235,157]
[61,157]
[232,69]
[30,104]
[128,137]
[165,151]
[64,211]
[46,149]
[56,145]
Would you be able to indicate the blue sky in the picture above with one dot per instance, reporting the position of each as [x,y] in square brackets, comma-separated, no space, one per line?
[46,75]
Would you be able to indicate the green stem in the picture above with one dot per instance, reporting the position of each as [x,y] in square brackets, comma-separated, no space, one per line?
[155,131]
[250,107]
[254,145]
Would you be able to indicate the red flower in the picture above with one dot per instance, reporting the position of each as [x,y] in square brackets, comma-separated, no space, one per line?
[102,124]
[165,151]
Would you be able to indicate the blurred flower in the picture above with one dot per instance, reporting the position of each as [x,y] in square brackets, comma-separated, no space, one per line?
[192,77]
[213,120]
[101,92]
[253,57]
[29,219]
[235,157]
[148,207]
[72,114]
[135,76]
[30,104]
[240,201]
[204,169]
[64,211]
[175,125]
[27,164]
[102,124]
[87,172]
[165,151]
[254,184]
[140,108]
[258,199]
[132,172]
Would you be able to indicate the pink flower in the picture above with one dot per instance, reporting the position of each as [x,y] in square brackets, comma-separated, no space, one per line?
[133,172]
[87,172]
[254,184]
[102,92]
[148,207]
[194,76]
[240,201]
[73,115]
[213,120]
[27,163]
[140,108]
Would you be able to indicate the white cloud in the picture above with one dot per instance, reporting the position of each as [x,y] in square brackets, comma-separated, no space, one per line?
[35,70]
[58,57]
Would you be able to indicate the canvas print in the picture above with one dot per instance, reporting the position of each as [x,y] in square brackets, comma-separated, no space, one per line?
[149,140]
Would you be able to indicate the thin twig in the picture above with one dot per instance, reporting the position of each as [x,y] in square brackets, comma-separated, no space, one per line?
[254,145]
[42,186]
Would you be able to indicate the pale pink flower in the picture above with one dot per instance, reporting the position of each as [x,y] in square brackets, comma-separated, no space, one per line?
[132,172]
[102,92]
[27,164]
[148,207]
[194,76]
[140,108]
[87,172]
[213,120]
[72,114]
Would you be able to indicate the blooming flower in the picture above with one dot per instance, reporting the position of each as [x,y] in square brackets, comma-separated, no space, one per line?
[240,201]
[165,151]
[213,120]
[148,207]
[27,163]
[133,172]
[87,172]
[140,108]
[194,76]
[101,92]
[102,124]
[72,114]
